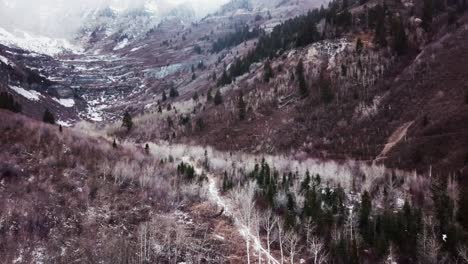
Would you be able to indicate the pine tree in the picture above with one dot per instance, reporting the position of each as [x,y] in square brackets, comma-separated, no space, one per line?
[127,121]
[242,107]
[114,144]
[195,96]
[380,37]
[173,93]
[48,117]
[301,79]
[218,99]
[462,214]
[164,96]
[209,96]
[359,46]
[366,207]
[267,72]
[60,128]
[326,92]
[7,102]
[147,149]
[428,13]
[400,42]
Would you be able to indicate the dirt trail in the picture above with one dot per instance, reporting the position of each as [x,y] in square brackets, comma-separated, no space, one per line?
[220,201]
[394,139]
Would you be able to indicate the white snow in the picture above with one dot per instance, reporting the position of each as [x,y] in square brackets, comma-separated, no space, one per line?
[30,95]
[6,61]
[64,123]
[121,44]
[38,44]
[65,102]
[138,48]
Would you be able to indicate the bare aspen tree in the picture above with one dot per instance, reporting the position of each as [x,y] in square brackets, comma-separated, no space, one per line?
[269,224]
[309,228]
[463,253]
[280,225]
[390,259]
[292,244]
[428,246]
[317,249]
[243,199]
[257,225]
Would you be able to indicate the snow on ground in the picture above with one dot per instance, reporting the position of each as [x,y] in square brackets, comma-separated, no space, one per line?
[6,61]
[38,44]
[30,95]
[121,44]
[165,71]
[64,123]
[65,102]
[94,114]
[138,48]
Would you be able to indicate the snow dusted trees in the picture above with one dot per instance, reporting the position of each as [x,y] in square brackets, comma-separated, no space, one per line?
[291,239]
[268,223]
[316,248]
[243,199]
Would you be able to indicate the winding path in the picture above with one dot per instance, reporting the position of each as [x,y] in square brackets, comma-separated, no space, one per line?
[215,197]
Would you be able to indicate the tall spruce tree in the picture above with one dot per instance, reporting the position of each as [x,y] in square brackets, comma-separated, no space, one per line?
[48,117]
[218,99]
[241,106]
[301,79]
[127,121]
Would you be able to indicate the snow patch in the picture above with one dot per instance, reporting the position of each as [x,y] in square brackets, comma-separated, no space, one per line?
[65,102]
[6,61]
[37,44]
[121,44]
[30,95]
[64,123]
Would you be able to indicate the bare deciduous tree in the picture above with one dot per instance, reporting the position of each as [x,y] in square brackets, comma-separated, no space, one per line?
[269,224]
[317,249]
[292,244]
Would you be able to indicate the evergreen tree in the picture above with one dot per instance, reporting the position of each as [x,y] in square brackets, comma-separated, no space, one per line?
[462,214]
[326,92]
[114,144]
[164,96]
[428,13]
[305,185]
[359,46]
[225,79]
[195,96]
[173,92]
[209,96]
[364,213]
[60,128]
[380,37]
[267,71]
[147,149]
[127,121]
[301,79]
[242,107]
[7,102]
[218,99]
[48,117]
[400,44]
